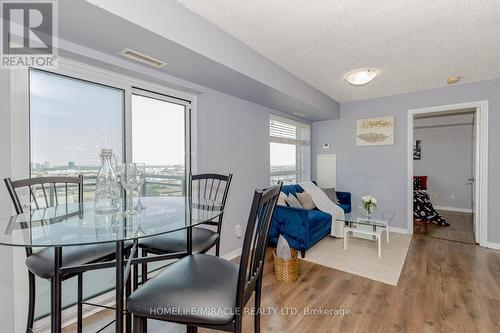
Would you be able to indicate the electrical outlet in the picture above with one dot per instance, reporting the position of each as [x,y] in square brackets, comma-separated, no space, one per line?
[453,197]
[238,231]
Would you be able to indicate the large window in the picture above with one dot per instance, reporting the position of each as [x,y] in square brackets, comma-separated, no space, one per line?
[159,140]
[70,122]
[73,113]
[289,150]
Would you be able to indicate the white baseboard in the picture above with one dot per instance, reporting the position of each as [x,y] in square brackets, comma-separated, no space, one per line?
[398,230]
[454,209]
[492,245]
[233,254]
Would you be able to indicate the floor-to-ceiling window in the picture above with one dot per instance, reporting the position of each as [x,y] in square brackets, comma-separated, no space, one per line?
[71,120]
[159,141]
[289,150]
[72,117]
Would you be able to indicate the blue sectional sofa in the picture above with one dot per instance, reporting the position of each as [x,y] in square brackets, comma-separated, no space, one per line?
[301,227]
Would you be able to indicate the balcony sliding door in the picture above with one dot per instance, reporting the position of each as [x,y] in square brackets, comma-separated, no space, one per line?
[160,130]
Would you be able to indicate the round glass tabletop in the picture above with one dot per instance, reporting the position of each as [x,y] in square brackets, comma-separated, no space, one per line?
[78,224]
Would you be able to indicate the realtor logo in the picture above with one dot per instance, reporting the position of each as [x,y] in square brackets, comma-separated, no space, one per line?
[29,34]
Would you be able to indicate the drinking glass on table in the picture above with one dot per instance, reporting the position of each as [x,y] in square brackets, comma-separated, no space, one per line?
[128,180]
[141,180]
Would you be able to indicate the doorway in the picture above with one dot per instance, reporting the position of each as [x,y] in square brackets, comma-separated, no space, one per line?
[447,147]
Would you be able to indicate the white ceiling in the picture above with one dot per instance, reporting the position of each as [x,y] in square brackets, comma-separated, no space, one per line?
[415,44]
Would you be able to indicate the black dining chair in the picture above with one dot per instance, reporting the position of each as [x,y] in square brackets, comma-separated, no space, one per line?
[41,263]
[211,187]
[206,291]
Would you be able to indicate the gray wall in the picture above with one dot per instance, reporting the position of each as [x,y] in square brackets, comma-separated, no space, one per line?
[381,170]
[447,161]
[233,136]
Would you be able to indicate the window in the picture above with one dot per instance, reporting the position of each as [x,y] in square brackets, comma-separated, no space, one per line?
[159,141]
[289,150]
[73,112]
[71,120]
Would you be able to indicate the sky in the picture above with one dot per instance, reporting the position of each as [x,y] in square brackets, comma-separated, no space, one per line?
[72,120]
[282,154]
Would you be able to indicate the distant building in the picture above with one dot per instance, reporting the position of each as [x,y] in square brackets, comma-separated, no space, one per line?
[71,165]
[47,165]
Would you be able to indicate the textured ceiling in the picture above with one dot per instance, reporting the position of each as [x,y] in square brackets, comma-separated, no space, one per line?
[415,44]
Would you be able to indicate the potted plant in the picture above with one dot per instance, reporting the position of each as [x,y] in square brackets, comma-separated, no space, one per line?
[369,203]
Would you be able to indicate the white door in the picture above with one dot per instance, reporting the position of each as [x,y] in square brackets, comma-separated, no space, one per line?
[472,180]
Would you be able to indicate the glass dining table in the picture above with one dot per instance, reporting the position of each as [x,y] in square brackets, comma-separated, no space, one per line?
[77,224]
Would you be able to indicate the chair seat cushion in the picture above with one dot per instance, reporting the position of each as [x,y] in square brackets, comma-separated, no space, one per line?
[42,263]
[203,240]
[197,289]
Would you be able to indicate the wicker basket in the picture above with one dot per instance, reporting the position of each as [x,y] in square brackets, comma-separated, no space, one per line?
[286,270]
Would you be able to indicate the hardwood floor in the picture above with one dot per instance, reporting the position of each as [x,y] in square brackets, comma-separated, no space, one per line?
[460,229]
[445,286]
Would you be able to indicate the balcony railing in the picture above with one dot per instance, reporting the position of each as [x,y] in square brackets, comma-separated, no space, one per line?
[156,185]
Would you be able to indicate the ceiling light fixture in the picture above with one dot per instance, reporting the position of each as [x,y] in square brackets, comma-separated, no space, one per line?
[360,77]
[453,79]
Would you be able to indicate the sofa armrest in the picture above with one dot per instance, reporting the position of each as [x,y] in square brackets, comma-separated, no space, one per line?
[344,198]
[292,223]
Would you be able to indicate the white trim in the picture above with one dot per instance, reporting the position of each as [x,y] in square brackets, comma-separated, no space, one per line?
[454,209]
[233,254]
[493,245]
[481,170]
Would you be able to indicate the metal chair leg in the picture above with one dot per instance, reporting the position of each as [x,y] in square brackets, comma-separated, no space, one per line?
[128,315]
[144,268]
[135,275]
[79,322]
[138,324]
[217,248]
[31,302]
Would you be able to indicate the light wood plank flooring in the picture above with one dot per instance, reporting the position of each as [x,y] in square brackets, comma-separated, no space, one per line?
[460,229]
[445,286]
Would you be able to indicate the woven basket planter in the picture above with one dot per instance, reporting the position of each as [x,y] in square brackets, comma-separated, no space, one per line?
[286,270]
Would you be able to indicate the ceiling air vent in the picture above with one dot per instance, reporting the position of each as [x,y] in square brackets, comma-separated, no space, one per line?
[300,114]
[141,57]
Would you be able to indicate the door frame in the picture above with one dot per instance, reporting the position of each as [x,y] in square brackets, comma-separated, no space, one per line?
[481,157]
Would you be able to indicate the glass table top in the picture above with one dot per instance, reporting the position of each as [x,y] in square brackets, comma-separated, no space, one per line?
[377,218]
[78,224]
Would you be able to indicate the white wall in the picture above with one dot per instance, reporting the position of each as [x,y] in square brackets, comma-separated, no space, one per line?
[381,170]
[447,161]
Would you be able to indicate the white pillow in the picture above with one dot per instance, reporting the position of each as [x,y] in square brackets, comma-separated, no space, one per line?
[292,201]
[306,200]
[282,199]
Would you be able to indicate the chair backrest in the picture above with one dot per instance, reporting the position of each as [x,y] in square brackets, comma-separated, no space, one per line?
[49,188]
[255,241]
[211,186]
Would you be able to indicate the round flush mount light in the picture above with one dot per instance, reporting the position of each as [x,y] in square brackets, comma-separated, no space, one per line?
[453,79]
[360,77]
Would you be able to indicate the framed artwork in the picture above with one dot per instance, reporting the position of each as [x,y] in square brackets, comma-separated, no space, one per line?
[375,131]
[417,150]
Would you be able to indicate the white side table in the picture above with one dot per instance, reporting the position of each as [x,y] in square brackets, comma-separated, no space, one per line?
[377,233]
[373,225]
